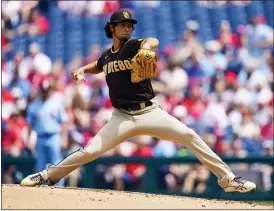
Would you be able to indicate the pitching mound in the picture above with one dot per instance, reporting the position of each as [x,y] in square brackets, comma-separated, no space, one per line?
[44,197]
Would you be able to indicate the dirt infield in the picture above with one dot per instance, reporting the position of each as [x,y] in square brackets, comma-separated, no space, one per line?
[44,197]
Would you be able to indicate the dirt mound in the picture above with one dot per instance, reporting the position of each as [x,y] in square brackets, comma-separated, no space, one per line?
[44,197]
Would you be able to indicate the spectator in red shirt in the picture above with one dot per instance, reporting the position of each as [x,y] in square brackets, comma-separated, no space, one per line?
[39,24]
[13,136]
[144,149]
[226,37]
[111,6]
[267,129]
[194,104]
[4,40]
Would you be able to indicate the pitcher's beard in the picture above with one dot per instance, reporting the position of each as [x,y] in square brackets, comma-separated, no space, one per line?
[124,39]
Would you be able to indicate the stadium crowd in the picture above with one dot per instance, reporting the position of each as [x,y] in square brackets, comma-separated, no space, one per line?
[221,88]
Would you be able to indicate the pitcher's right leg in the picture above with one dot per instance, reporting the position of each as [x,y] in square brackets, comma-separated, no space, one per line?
[119,128]
[160,124]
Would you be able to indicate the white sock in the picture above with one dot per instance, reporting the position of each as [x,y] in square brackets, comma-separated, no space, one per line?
[223,182]
[44,174]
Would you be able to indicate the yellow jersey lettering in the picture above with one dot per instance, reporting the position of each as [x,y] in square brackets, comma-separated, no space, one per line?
[110,67]
[105,69]
[127,64]
[121,65]
[116,68]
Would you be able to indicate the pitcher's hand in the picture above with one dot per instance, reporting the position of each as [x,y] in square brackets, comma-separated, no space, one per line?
[78,75]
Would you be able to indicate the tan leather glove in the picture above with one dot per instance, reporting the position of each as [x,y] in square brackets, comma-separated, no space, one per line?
[144,65]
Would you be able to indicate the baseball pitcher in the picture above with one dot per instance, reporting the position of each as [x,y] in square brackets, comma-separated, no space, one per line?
[129,65]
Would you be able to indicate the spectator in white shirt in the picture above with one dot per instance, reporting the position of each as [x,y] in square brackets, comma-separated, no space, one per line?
[259,38]
[72,7]
[41,62]
[175,78]
[215,114]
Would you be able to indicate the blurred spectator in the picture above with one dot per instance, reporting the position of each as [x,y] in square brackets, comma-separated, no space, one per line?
[194,69]
[152,4]
[136,171]
[101,7]
[194,103]
[58,75]
[22,84]
[8,105]
[226,37]
[175,78]
[18,62]
[80,110]
[94,53]
[10,12]
[164,149]
[265,119]
[36,25]
[234,64]
[214,62]
[187,178]
[240,3]
[237,149]
[250,133]
[196,178]
[7,34]
[268,147]
[94,7]
[259,37]
[46,117]
[244,96]
[267,170]
[192,26]
[217,3]
[11,175]
[250,128]
[14,135]
[116,174]
[189,44]
[27,7]
[38,61]
[71,7]
[111,6]
[175,176]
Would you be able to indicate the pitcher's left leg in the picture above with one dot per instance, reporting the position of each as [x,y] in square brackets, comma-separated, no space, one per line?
[160,124]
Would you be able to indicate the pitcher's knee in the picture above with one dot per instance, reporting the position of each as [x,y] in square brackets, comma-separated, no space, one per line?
[191,134]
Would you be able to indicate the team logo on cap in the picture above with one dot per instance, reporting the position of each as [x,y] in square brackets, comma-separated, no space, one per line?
[126,15]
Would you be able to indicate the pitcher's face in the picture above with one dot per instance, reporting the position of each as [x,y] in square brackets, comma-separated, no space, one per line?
[123,30]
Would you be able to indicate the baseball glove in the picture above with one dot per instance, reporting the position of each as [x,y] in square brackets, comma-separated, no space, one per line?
[144,65]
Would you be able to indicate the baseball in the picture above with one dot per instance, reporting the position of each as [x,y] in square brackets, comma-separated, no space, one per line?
[79,78]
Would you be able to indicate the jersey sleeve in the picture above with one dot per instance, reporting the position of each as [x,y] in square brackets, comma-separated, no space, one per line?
[99,63]
[136,44]
[132,47]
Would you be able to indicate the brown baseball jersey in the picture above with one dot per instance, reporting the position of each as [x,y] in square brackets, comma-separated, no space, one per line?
[117,68]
